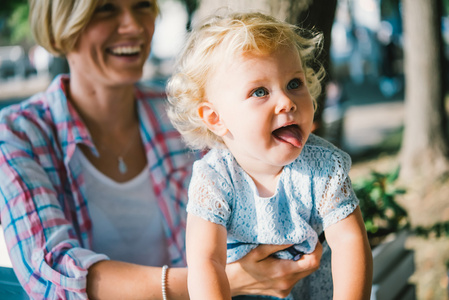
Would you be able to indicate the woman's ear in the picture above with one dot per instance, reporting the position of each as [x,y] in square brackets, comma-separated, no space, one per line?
[212,119]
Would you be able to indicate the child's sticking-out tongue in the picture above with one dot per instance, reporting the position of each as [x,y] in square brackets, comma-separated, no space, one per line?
[290,134]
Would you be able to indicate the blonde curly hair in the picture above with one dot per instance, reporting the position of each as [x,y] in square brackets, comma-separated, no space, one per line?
[219,37]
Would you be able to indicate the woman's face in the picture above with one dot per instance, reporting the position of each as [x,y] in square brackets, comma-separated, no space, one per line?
[115,44]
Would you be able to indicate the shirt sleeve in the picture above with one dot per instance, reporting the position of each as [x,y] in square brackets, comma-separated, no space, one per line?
[334,196]
[46,253]
[209,194]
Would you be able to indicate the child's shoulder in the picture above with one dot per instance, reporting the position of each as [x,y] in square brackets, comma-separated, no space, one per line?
[320,152]
[214,156]
[219,161]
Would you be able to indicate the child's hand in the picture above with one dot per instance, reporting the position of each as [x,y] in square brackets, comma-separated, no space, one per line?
[260,273]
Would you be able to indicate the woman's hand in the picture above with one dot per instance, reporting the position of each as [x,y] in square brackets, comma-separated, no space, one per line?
[260,273]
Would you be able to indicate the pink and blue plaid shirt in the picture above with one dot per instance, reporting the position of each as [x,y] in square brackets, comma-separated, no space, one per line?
[43,206]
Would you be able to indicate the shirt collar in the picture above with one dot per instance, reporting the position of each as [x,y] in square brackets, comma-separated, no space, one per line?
[70,128]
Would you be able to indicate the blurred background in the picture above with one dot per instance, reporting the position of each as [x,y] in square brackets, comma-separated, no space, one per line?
[384,102]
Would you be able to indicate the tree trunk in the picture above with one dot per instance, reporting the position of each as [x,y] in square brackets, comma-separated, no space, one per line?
[424,150]
[319,15]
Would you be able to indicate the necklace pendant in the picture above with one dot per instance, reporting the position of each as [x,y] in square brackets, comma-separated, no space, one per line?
[122,167]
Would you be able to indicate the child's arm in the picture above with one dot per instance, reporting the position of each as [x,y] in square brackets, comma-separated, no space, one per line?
[352,261]
[206,260]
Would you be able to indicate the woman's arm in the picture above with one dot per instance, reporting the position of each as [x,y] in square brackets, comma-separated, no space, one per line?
[46,252]
[256,273]
[352,262]
[120,280]
[206,259]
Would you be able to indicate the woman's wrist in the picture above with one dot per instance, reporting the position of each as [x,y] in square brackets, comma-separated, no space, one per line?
[236,282]
[176,283]
[164,282]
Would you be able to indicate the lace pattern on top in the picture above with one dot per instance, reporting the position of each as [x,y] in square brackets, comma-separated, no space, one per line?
[313,193]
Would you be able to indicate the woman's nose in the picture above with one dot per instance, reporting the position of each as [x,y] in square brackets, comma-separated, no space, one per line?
[285,104]
[130,23]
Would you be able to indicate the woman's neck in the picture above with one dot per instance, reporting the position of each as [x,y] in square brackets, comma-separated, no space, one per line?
[111,117]
[103,108]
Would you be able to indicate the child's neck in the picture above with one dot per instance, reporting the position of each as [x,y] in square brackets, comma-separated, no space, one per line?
[264,176]
[266,184]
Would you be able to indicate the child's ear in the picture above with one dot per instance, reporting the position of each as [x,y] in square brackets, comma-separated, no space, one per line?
[212,119]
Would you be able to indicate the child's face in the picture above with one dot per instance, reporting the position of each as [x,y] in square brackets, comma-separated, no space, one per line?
[264,106]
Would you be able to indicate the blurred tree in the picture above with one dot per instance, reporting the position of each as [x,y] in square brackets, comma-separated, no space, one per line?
[16,28]
[425,147]
[191,7]
[319,15]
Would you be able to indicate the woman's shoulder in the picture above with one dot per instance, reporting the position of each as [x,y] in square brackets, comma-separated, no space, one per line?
[36,107]
[151,91]
[152,103]
[33,112]
[41,110]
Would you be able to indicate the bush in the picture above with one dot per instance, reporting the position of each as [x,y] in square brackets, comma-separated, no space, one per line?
[381,212]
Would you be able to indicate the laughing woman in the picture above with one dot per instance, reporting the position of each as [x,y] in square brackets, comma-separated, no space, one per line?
[93,177]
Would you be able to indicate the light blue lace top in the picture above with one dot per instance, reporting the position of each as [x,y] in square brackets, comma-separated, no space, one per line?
[313,193]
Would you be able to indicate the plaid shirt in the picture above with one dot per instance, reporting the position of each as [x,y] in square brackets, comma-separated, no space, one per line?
[43,206]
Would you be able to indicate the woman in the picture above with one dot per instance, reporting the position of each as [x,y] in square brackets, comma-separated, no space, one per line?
[93,177]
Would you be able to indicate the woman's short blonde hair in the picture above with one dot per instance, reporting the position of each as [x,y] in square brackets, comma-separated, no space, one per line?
[218,38]
[57,24]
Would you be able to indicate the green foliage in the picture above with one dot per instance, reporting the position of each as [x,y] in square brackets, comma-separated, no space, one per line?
[14,17]
[18,22]
[437,230]
[381,212]
[8,6]
[377,195]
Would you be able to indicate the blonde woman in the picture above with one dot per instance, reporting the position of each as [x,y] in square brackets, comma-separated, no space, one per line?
[93,176]
[245,88]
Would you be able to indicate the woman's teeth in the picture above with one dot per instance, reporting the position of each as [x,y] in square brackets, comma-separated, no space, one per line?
[128,50]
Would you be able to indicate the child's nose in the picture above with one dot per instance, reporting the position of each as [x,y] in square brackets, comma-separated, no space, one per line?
[285,104]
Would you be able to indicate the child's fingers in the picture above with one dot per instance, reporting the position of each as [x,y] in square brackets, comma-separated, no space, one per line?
[262,252]
[311,261]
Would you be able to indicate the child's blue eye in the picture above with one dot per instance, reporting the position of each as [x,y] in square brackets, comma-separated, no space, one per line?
[259,92]
[294,84]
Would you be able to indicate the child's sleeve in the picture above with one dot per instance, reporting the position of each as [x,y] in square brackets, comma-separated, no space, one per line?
[209,194]
[334,196]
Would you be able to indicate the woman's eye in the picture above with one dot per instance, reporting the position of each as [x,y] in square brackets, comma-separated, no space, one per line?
[294,84]
[260,92]
[108,7]
[144,4]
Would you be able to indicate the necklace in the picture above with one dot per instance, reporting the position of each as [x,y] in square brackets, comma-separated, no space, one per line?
[122,167]
[121,164]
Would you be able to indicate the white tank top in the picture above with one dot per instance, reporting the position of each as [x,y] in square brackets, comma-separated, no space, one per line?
[126,220]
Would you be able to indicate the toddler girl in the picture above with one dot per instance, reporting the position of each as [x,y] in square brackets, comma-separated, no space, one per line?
[245,89]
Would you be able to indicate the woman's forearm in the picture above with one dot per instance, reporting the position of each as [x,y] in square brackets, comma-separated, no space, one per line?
[120,280]
[256,273]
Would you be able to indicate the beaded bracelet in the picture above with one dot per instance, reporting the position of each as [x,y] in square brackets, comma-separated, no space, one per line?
[164,282]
